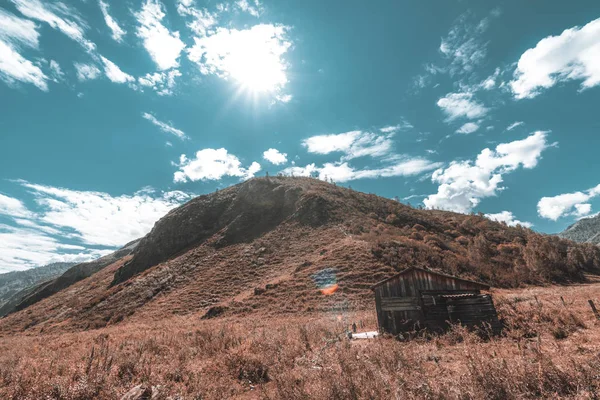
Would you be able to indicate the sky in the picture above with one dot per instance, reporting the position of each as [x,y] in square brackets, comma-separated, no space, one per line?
[114,112]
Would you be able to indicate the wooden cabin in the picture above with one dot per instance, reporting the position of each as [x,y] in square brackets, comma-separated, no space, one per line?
[417,298]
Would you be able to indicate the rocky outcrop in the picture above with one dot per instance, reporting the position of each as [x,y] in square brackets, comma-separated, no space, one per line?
[76,273]
[586,230]
[238,214]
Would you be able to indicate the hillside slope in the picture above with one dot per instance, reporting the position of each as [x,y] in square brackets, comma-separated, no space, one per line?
[586,230]
[268,245]
[16,281]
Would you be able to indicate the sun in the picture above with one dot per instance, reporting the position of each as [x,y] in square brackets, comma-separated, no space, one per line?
[252,58]
[257,71]
[255,61]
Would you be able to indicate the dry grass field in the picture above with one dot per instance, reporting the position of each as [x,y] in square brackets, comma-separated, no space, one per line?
[550,349]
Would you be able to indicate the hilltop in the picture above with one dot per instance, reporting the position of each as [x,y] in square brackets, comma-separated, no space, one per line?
[266,245]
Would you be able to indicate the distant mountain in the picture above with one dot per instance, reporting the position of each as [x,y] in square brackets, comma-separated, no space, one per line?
[16,281]
[73,273]
[586,230]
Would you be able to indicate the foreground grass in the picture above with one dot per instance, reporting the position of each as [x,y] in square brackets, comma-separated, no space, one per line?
[550,349]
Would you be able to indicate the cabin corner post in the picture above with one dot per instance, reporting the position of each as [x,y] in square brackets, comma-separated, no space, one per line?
[421,308]
[380,321]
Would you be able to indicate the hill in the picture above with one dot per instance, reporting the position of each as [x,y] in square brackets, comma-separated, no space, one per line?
[266,247]
[13,282]
[586,230]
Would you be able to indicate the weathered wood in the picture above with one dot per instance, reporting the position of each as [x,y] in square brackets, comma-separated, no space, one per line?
[594,309]
[401,308]
[419,298]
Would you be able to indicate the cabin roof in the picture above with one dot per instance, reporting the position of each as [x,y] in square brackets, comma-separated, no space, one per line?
[480,285]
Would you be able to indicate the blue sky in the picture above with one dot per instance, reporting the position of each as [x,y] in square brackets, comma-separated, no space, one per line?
[114,112]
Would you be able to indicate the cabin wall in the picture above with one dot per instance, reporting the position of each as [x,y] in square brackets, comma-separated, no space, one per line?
[474,311]
[398,307]
[406,303]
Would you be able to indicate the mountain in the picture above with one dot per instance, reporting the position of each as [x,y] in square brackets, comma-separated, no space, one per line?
[586,230]
[278,245]
[69,275]
[13,282]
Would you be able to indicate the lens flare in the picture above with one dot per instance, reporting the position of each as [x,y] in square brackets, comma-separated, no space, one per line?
[326,281]
[327,291]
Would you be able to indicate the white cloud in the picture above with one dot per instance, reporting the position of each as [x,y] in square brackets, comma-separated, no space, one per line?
[567,204]
[390,129]
[212,164]
[13,207]
[283,98]
[514,125]
[402,126]
[343,172]
[353,144]
[463,50]
[252,57]
[458,105]
[508,218]
[117,31]
[253,10]
[468,128]
[308,170]
[59,16]
[18,31]
[70,225]
[56,71]
[14,34]
[325,144]
[24,248]
[583,210]
[29,223]
[163,46]
[274,156]
[114,73]
[488,84]
[463,184]
[165,127]
[98,218]
[463,47]
[162,83]
[86,72]
[572,55]
[14,67]
[204,21]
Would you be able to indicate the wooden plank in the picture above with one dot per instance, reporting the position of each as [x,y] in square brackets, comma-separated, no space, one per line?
[400,308]
[388,300]
[400,304]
